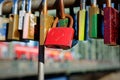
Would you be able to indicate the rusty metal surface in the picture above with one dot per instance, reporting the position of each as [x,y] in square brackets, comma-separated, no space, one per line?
[36,4]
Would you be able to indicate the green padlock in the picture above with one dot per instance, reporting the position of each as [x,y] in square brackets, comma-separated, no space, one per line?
[93,20]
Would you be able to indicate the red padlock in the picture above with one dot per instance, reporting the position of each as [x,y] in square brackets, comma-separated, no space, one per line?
[60,37]
[111,25]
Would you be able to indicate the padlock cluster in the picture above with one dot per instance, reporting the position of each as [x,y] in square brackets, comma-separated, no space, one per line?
[22,26]
[19,26]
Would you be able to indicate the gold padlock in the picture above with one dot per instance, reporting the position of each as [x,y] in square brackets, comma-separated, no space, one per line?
[13,33]
[46,22]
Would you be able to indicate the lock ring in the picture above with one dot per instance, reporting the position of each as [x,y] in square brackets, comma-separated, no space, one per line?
[67,16]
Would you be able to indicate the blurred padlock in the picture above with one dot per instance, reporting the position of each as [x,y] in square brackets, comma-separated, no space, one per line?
[93,19]
[29,23]
[46,22]
[3,24]
[111,24]
[13,33]
[82,20]
[101,22]
[60,37]
[87,23]
[75,26]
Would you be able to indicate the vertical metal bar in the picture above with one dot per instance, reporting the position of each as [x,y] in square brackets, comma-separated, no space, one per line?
[42,48]
[41,63]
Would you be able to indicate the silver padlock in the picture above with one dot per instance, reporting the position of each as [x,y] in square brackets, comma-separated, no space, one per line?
[29,23]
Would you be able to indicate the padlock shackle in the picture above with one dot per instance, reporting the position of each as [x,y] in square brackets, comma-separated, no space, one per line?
[67,16]
[93,3]
[82,4]
[108,3]
[1,6]
[23,4]
[29,6]
[15,6]
[45,12]
[62,9]
[71,20]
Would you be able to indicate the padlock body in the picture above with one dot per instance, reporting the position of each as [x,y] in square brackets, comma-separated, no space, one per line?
[111,26]
[13,33]
[29,26]
[3,28]
[82,25]
[46,22]
[93,22]
[60,37]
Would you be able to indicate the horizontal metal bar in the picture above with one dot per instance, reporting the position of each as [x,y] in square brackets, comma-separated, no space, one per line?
[52,4]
